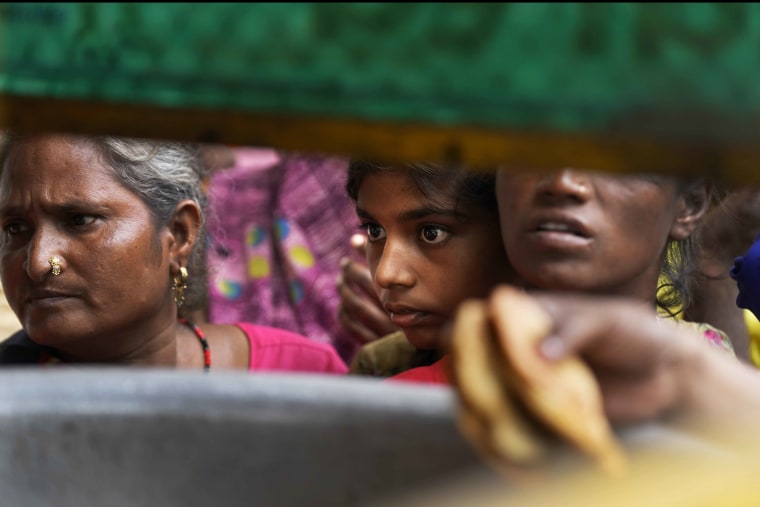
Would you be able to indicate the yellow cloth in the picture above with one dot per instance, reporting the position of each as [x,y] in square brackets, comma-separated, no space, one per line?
[753,328]
[710,333]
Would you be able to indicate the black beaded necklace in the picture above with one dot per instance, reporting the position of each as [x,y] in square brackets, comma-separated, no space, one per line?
[202,339]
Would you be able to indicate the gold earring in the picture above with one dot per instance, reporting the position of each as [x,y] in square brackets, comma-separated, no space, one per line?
[179,284]
[55,265]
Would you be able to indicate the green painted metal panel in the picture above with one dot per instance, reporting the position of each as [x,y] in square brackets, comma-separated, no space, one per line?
[566,66]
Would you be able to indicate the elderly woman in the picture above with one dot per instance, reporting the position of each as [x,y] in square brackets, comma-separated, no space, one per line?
[102,257]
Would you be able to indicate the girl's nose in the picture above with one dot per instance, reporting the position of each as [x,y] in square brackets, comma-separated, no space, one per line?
[393,267]
[566,184]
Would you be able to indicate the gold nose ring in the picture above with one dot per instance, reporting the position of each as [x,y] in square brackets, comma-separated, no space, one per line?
[55,265]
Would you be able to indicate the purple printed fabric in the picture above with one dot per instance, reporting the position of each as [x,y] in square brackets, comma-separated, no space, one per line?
[278,225]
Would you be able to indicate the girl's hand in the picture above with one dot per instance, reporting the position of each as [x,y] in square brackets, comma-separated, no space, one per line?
[647,368]
[360,312]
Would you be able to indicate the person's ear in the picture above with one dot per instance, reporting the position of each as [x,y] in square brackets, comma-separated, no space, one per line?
[184,227]
[692,205]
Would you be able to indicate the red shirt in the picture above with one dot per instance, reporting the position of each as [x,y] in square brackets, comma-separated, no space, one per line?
[436,373]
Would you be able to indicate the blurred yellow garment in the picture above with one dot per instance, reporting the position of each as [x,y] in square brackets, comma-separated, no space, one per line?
[688,478]
[753,328]
[390,355]
[713,335]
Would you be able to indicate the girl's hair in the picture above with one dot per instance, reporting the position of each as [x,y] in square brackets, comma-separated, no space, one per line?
[464,186]
[674,290]
[162,174]
[681,268]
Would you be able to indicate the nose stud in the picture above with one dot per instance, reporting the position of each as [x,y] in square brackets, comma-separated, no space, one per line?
[55,265]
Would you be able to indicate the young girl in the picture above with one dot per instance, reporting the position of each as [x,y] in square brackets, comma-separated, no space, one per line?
[601,234]
[433,241]
[605,234]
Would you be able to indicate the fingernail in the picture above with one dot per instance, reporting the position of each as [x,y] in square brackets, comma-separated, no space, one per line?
[344,262]
[552,347]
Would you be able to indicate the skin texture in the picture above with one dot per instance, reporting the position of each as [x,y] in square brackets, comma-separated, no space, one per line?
[655,370]
[619,227]
[112,302]
[423,258]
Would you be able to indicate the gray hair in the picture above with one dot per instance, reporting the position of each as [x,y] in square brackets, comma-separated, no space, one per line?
[162,174]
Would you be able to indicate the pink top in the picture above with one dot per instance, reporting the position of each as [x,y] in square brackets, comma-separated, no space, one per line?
[281,350]
[278,224]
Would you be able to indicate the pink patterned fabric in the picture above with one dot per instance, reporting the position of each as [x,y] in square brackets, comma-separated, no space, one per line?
[278,225]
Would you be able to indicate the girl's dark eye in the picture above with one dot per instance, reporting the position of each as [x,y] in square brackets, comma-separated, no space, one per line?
[433,234]
[375,232]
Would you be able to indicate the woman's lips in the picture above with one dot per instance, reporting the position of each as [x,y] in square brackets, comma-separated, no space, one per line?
[408,318]
[47,298]
[47,301]
[560,239]
[405,316]
[559,221]
[558,231]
